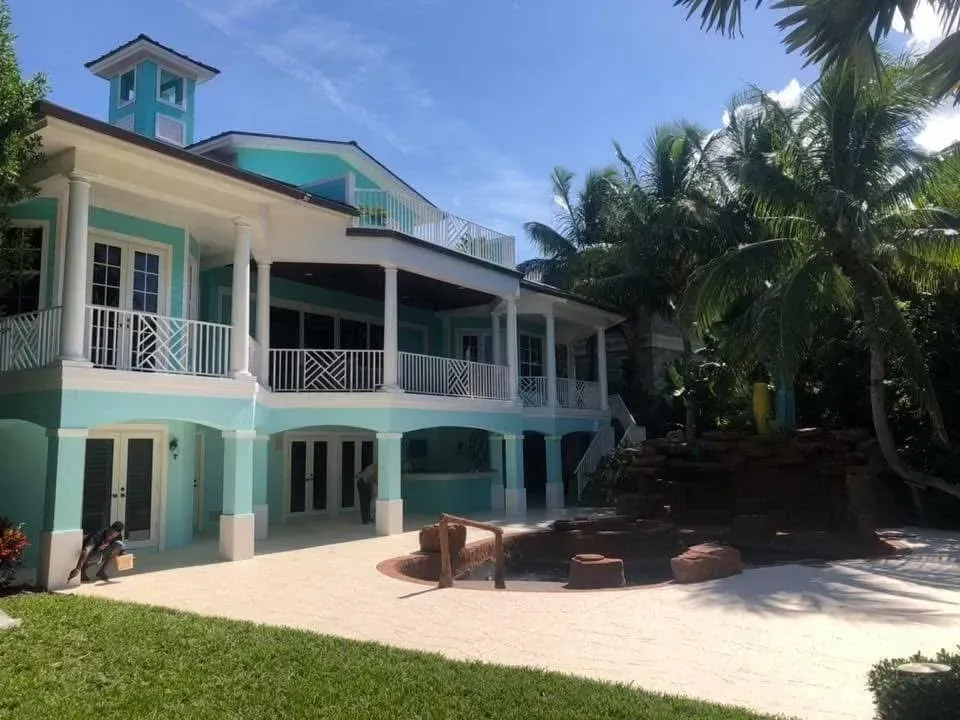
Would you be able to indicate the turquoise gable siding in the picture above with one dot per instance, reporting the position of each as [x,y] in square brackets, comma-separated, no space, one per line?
[43,209]
[298,168]
[147,105]
[154,232]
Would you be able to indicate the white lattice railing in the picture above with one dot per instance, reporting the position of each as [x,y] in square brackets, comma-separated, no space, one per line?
[132,340]
[578,394]
[29,340]
[533,390]
[325,370]
[412,216]
[431,375]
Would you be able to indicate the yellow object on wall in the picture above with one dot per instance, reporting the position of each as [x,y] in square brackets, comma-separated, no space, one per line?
[761,407]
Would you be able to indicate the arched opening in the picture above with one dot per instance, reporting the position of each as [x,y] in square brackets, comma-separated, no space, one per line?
[23,447]
[535,469]
[456,470]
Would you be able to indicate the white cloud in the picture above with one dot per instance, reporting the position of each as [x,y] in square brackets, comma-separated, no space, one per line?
[788,97]
[942,129]
[925,27]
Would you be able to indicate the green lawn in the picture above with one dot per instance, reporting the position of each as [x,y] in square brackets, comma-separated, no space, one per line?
[77,657]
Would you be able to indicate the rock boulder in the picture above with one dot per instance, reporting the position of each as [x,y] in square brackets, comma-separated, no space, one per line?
[430,538]
[706,562]
[595,572]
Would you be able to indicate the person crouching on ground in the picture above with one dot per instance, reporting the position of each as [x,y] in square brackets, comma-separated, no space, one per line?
[367,490]
[101,546]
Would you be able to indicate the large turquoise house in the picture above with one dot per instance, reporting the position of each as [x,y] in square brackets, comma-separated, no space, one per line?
[216,336]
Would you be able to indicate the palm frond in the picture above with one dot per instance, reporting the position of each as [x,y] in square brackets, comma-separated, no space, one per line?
[721,15]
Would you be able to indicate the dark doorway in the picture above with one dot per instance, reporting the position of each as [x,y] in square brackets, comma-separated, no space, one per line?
[535,469]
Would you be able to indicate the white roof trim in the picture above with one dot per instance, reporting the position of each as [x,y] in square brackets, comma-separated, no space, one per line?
[143,50]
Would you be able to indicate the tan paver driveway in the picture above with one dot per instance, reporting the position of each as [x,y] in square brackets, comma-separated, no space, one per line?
[794,639]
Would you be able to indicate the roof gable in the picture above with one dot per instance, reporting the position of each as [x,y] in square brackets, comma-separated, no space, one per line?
[144,47]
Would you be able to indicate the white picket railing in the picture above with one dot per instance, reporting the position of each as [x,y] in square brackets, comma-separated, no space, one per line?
[601,446]
[301,370]
[410,215]
[633,434]
[431,375]
[533,390]
[29,340]
[578,394]
[134,340]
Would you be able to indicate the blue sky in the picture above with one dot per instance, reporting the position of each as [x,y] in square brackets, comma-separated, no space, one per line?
[472,103]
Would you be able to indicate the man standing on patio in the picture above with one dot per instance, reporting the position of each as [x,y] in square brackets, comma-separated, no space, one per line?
[367,490]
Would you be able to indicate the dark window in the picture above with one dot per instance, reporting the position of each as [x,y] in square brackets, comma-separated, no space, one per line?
[21,260]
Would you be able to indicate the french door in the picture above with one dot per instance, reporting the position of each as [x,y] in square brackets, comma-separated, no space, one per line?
[121,481]
[322,471]
[126,292]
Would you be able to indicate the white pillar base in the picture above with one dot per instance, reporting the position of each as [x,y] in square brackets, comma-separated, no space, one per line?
[59,552]
[498,501]
[555,498]
[236,536]
[515,501]
[389,517]
[261,517]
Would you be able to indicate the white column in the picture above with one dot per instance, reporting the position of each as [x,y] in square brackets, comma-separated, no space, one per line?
[263,321]
[571,361]
[551,351]
[240,314]
[602,367]
[391,343]
[495,328]
[73,311]
[513,360]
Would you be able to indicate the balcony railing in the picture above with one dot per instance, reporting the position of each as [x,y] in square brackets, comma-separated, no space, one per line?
[412,216]
[29,340]
[430,375]
[133,340]
[326,370]
[573,394]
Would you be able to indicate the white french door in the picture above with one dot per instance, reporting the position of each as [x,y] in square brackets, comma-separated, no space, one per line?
[126,290]
[121,481]
[322,470]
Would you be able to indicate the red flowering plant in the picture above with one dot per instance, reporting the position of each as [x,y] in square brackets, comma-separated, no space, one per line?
[13,541]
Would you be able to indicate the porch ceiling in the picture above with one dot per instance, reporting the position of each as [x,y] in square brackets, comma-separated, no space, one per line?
[367,281]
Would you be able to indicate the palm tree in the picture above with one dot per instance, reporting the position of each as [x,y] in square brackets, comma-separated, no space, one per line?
[580,224]
[845,204]
[668,218]
[832,31]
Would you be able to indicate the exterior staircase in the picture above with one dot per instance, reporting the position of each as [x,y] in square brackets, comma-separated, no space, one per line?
[604,442]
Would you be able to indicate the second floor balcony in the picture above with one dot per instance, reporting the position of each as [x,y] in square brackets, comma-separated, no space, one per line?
[404,213]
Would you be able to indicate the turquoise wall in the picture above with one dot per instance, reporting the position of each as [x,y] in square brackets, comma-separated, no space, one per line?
[298,168]
[23,447]
[180,492]
[467,496]
[146,105]
[212,479]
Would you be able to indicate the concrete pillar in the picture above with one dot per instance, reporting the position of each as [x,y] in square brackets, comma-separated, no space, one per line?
[496,340]
[553,445]
[61,536]
[513,357]
[240,305]
[263,322]
[74,303]
[602,367]
[389,471]
[497,500]
[391,341]
[515,495]
[551,353]
[237,523]
[261,503]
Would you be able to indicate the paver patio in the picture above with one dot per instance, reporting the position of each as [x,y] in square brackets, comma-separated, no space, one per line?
[793,639]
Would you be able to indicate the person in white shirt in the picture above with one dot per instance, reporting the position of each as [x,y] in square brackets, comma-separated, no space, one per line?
[367,490]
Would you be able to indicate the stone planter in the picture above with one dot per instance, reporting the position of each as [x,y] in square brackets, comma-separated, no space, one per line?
[595,572]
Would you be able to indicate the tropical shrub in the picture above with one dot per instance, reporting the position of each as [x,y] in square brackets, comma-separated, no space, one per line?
[13,541]
[899,696]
